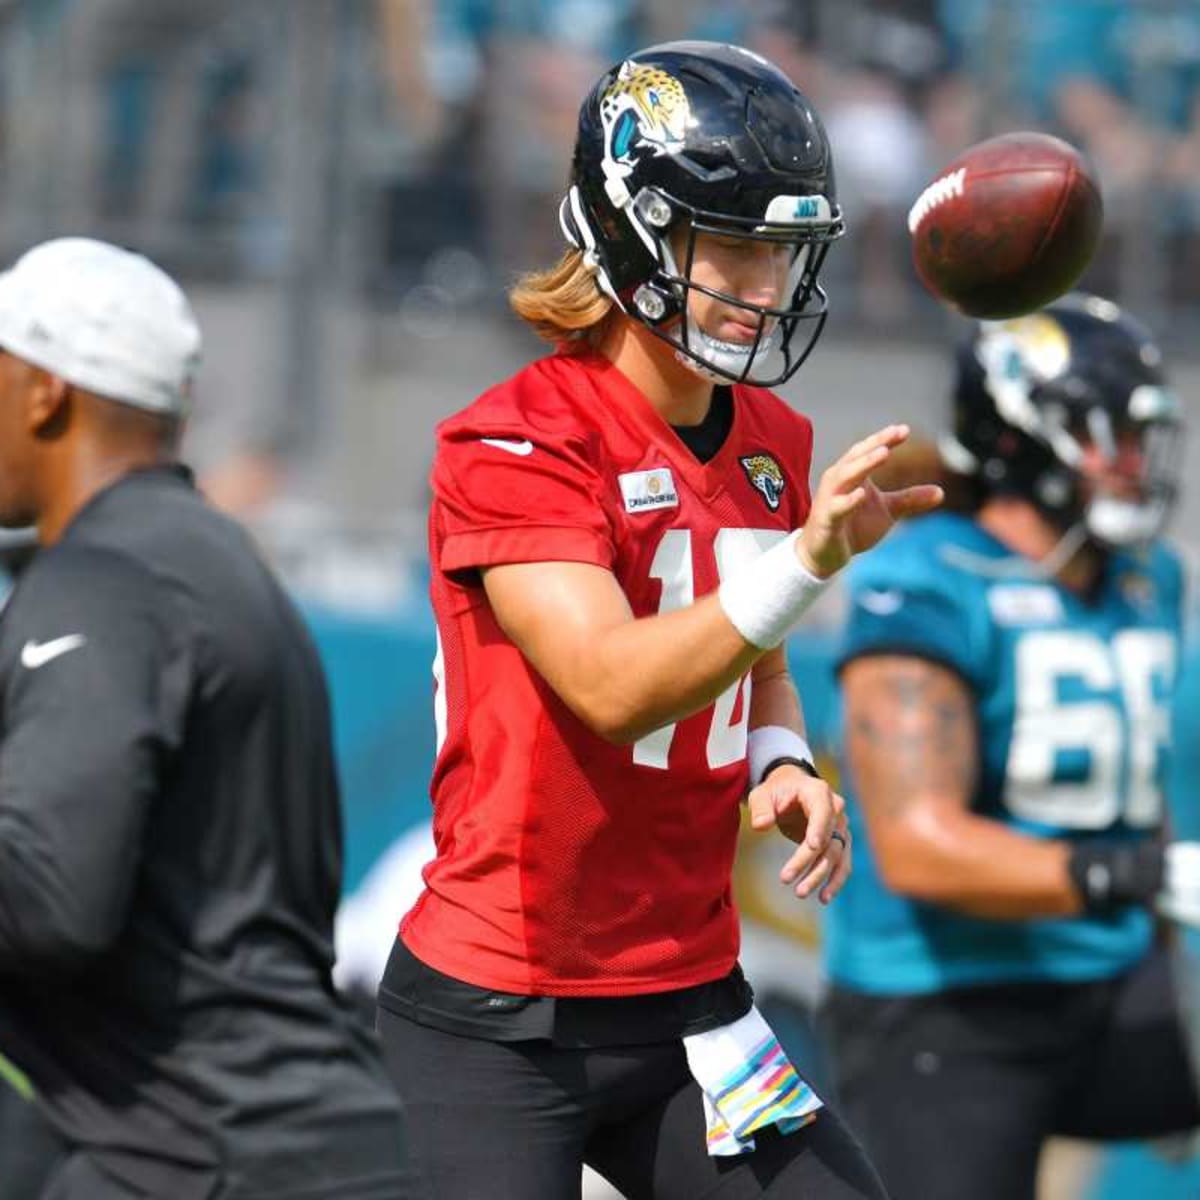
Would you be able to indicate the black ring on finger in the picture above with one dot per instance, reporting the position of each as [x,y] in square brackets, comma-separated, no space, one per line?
[835,836]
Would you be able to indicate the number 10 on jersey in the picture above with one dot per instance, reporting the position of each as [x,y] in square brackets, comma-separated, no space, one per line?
[674,567]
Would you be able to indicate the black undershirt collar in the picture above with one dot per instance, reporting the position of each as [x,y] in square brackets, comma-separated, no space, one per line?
[705,439]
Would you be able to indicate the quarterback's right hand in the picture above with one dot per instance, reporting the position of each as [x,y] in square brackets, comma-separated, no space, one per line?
[1179,898]
[807,811]
[849,513]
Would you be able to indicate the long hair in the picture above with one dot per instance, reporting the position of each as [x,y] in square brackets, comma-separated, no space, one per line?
[563,303]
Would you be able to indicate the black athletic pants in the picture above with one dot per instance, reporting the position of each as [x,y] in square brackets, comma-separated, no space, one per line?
[517,1121]
[954,1094]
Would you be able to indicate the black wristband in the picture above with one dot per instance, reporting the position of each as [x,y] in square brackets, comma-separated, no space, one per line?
[786,760]
[1108,875]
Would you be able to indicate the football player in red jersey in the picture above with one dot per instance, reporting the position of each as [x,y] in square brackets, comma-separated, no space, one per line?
[616,564]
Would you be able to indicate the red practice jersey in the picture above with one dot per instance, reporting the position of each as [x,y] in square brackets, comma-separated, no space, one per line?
[567,866]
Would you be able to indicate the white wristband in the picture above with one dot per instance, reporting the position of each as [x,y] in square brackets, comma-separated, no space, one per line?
[770,742]
[765,599]
[1180,895]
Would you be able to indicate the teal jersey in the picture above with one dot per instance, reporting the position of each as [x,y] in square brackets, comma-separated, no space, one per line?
[1073,711]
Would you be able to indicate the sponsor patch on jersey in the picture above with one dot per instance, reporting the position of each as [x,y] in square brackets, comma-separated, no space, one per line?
[648,489]
[765,477]
[1025,604]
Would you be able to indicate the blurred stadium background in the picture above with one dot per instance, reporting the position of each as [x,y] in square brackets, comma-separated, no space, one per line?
[347,186]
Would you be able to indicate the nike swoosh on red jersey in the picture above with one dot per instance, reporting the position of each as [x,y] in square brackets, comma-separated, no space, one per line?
[521,448]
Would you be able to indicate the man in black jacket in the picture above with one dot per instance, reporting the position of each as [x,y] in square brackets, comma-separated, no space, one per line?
[170,844]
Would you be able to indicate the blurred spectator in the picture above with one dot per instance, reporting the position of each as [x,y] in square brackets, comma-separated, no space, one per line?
[882,163]
[541,56]
[1118,79]
[406,32]
[1044,42]
[952,115]
[1125,151]
[243,484]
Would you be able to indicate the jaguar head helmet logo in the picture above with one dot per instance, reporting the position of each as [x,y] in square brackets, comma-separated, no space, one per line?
[645,111]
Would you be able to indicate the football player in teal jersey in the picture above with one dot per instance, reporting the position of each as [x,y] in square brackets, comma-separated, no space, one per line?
[1007,672]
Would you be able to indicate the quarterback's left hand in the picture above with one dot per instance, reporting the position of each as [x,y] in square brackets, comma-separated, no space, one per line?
[809,812]
[849,513]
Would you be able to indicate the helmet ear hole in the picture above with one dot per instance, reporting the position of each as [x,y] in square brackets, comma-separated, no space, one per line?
[655,303]
[654,209]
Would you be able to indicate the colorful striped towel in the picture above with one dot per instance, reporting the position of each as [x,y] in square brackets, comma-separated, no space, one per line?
[748,1083]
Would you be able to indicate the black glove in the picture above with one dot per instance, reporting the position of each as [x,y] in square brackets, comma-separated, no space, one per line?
[1110,875]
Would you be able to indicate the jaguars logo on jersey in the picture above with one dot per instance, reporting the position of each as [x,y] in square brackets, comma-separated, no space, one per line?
[644,111]
[765,477]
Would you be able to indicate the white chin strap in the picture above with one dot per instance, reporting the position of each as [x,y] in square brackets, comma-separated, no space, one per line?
[1123,523]
[729,357]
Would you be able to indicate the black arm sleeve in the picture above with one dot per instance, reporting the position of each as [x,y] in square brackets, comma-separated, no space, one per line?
[93,702]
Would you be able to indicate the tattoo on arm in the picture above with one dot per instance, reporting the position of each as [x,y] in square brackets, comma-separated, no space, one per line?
[910,731]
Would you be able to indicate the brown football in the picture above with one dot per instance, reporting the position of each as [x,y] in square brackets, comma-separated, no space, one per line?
[1008,226]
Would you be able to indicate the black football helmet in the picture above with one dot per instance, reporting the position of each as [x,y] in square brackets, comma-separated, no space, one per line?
[1031,393]
[708,138]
